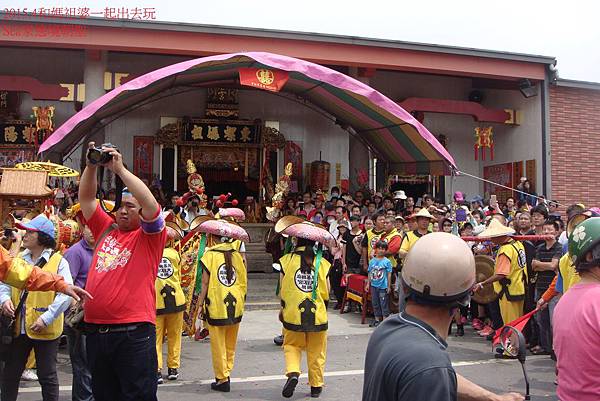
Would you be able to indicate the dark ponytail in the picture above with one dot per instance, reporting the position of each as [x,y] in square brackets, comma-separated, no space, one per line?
[228,265]
[307,256]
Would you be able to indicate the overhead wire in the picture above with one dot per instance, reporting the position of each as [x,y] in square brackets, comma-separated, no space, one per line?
[459,173]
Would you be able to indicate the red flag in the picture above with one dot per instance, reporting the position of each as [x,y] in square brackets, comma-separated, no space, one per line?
[518,324]
[263,78]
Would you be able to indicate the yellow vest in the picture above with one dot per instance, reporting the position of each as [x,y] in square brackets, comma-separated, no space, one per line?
[36,304]
[169,295]
[410,238]
[569,275]
[224,304]
[236,244]
[372,239]
[300,312]
[513,285]
[387,238]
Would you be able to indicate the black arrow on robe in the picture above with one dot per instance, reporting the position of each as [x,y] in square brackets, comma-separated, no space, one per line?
[230,303]
[168,294]
[307,313]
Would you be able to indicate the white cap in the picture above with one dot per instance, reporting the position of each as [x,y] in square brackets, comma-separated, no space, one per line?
[440,267]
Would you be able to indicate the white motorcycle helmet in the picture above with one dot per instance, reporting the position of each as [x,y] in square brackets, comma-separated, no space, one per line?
[440,269]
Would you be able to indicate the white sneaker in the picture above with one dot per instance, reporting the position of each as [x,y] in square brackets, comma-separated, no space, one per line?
[29,375]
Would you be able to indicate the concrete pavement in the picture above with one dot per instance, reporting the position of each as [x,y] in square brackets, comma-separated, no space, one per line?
[259,366]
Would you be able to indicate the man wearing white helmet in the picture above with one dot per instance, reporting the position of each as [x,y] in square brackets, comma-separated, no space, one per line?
[406,357]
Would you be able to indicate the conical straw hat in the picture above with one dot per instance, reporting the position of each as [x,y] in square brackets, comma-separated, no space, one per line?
[496,229]
[422,213]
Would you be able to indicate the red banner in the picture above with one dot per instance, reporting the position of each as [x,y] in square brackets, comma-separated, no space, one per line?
[143,157]
[500,174]
[263,78]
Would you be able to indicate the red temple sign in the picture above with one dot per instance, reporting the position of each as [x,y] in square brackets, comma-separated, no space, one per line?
[263,78]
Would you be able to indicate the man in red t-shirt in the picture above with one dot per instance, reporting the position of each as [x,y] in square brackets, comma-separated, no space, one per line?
[120,320]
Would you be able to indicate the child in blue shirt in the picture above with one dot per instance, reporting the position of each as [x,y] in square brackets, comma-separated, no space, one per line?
[380,278]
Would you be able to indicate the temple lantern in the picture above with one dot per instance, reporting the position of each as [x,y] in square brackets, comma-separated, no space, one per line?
[319,175]
[483,139]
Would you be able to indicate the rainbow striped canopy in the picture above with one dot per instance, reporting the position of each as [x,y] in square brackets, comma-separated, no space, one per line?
[391,132]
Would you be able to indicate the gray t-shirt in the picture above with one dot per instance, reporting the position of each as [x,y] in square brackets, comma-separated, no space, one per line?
[407,361]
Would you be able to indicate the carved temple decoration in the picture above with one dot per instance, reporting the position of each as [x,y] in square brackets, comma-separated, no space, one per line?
[169,135]
[272,138]
[222,103]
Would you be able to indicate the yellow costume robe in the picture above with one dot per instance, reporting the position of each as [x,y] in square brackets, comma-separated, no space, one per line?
[170,304]
[224,305]
[304,319]
[511,289]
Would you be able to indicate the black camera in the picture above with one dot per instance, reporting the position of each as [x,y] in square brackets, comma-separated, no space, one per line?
[97,155]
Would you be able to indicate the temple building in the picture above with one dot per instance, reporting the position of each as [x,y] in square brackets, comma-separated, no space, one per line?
[490,110]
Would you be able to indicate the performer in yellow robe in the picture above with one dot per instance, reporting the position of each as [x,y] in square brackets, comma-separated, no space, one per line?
[304,298]
[510,273]
[222,297]
[170,302]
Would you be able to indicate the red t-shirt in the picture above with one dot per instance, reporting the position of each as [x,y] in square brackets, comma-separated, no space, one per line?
[123,270]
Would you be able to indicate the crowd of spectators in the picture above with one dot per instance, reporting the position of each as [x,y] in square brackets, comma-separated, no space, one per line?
[360,219]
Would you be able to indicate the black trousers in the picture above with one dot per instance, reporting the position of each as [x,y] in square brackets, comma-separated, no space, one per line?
[335,279]
[45,360]
[123,364]
[530,331]
[493,311]
[82,378]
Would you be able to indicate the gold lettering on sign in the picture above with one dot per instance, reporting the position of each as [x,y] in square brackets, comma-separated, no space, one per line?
[230,133]
[245,134]
[29,134]
[213,132]
[10,135]
[197,132]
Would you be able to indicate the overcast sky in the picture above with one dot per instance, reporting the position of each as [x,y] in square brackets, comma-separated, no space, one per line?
[567,30]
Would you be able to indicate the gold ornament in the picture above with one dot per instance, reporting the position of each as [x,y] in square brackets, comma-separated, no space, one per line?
[190,166]
[53,169]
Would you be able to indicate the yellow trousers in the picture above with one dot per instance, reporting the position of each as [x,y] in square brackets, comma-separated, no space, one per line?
[510,310]
[223,340]
[172,323]
[315,345]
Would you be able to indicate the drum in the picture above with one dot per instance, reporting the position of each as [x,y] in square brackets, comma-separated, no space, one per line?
[484,269]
